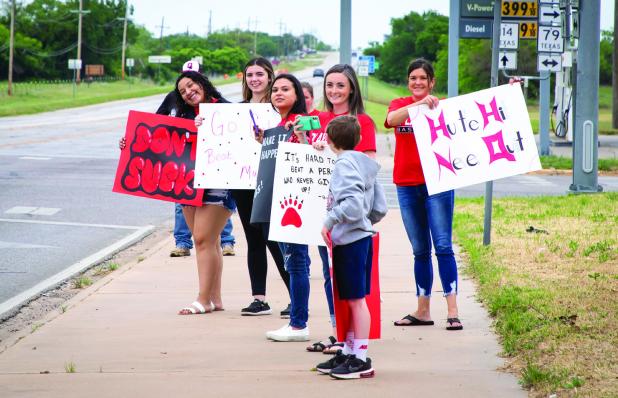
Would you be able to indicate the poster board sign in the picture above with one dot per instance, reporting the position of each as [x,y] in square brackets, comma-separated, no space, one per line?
[300,190]
[228,155]
[158,161]
[263,197]
[474,138]
[342,310]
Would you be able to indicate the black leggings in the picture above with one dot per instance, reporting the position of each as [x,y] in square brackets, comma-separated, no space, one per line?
[257,241]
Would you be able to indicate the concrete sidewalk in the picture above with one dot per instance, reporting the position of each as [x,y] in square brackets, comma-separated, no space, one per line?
[124,338]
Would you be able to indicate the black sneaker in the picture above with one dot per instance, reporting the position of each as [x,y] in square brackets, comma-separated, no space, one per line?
[353,368]
[285,314]
[257,307]
[326,367]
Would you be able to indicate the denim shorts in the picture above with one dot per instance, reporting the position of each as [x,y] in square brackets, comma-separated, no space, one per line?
[219,197]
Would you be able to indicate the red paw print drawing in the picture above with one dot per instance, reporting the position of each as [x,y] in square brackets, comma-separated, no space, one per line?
[291,216]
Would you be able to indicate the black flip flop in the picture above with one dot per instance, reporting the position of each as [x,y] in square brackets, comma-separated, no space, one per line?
[319,346]
[414,321]
[451,321]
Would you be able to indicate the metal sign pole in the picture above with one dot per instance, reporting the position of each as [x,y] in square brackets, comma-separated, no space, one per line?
[489,185]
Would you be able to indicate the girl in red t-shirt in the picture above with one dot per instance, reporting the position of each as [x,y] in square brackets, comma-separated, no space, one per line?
[342,96]
[426,218]
[308,93]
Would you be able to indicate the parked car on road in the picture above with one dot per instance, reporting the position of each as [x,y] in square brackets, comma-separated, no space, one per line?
[318,72]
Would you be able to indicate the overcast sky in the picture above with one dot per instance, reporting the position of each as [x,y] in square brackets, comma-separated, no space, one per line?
[370,18]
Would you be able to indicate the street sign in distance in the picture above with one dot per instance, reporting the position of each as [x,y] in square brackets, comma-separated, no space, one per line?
[549,14]
[549,62]
[550,39]
[476,8]
[371,59]
[528,30]
[471,28]
[376,65]
[519,9]
[160,59]
[130,62]
[509,36]
[75,64]
[363,71]
[507,60]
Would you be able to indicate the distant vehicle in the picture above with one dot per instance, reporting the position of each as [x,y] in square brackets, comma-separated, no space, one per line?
[318,72]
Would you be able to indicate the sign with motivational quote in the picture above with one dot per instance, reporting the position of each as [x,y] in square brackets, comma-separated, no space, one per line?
[300,190]
[473,138]
[263,196]
[159,159]
[227,153]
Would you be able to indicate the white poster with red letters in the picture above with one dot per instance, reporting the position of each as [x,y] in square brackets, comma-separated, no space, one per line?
[474,138]
[300,192]
[227,154]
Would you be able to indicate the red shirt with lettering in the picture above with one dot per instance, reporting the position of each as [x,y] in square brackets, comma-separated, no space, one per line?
[290,118]
[367,132]
[408,170]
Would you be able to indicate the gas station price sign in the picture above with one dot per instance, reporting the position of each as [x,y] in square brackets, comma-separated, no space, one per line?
[520,9]
[528,30]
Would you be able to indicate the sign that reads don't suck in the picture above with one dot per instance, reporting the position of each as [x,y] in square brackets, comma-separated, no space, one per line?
[158,161]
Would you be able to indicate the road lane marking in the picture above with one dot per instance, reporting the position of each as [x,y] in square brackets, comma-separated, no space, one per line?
[69,224]
[18,245]
[105,253]
[34,211]
[33,158]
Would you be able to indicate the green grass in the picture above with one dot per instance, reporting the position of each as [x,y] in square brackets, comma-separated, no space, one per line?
[35,98]
[563,163]
[82,282]
[70,367]
[552,296]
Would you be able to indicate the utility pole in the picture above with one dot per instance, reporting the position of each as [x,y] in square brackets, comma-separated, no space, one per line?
[345,32]
[124,36]
[586,133]
[453,48]
[162,26]
[281,35]
[79,37]
[210,22]
[255,37]
[11,40]
[615,71]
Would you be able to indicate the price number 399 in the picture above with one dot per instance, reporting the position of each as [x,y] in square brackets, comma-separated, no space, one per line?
[519,9]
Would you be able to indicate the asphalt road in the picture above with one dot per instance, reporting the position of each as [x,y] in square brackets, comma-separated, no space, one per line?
[58,213]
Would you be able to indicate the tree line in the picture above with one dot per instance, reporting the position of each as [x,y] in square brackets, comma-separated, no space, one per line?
[46,38]
[426,35]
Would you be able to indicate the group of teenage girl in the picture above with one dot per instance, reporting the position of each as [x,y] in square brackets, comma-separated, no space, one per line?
[427,218]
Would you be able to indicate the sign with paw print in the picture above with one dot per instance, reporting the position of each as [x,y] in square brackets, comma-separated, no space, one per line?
[228,156]
[300,190]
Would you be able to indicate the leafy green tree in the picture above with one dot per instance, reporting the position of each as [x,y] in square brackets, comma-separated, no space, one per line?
[606,50]
[412,36]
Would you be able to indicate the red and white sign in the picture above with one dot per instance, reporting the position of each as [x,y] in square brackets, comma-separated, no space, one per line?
[158,161]
[473,138]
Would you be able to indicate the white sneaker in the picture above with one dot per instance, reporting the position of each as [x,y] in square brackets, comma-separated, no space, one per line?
[286,333]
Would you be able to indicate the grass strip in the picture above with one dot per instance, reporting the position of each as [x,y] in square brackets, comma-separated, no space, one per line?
[550,281]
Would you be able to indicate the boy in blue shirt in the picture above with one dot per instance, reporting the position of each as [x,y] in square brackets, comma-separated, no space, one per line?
[356,202]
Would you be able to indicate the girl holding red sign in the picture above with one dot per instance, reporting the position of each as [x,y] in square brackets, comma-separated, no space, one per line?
[426,218]
[207,221]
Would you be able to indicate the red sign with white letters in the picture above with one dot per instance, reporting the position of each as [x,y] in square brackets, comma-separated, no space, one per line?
[158,161]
